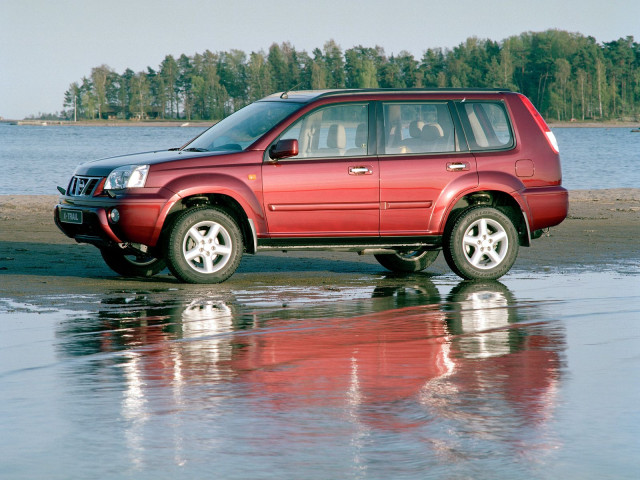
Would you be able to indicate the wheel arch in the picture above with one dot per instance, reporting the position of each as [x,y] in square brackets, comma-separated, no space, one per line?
[223,201]
[230,193]
[509,203]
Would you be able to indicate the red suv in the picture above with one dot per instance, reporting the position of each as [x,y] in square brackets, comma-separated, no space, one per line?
[400,174]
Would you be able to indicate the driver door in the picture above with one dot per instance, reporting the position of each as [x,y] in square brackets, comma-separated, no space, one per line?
[331,188]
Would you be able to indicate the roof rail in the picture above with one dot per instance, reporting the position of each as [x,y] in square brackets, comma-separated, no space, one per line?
[309,95]
[410,90]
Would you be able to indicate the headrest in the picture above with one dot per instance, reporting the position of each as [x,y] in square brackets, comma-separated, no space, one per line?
[415,129]
[439,127]
[337,137]
[430,133]
[361,135]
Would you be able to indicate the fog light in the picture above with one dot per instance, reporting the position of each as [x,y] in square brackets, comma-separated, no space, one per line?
[114,215]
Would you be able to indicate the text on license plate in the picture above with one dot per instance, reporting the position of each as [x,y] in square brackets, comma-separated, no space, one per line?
[70,216]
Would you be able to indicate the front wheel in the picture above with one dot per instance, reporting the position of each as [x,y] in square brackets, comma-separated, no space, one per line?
[407,262]
[204,245]
[131,264]
[482,244]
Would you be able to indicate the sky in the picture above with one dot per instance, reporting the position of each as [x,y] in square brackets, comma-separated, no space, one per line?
[45,45]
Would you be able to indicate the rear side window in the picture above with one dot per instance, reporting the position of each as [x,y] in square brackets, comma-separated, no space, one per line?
[486,125]
[418,127]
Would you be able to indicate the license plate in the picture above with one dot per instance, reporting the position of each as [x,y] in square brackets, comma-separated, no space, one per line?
[70,216]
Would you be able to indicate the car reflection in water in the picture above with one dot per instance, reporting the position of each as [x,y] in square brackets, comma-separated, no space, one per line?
[476,363]
[380,365]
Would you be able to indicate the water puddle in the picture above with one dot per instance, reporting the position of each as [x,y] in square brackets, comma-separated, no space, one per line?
[404,377]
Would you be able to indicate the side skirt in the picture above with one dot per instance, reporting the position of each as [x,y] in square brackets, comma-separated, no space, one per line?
[348,244]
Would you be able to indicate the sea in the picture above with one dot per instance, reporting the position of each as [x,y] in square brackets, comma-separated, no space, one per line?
[319,369]
[34,160]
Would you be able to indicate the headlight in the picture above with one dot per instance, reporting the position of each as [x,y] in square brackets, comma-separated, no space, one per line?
[129,176]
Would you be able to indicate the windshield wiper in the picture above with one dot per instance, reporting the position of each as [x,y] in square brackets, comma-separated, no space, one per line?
[195,149]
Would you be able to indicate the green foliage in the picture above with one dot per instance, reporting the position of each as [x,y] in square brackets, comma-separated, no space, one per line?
[566,75]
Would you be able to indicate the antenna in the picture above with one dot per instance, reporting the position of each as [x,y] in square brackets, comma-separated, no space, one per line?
[285,93]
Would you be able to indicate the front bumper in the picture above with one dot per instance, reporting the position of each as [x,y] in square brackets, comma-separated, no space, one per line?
[141,218]
[94,229]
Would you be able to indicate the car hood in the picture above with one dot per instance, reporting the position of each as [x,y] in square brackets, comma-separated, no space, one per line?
[104,166]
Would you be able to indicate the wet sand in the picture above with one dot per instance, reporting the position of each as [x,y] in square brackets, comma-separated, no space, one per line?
[601,232]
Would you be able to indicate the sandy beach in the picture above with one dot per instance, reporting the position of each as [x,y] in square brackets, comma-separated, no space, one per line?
[602,231]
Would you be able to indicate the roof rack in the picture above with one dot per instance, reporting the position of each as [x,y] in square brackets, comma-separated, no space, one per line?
[411,90]
[307,95]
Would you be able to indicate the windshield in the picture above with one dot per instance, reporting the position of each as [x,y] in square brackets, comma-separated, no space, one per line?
[242,128]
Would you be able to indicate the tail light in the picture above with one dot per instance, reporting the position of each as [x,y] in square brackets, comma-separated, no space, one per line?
[551,138]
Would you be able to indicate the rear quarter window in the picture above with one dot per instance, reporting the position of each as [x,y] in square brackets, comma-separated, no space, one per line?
[486,125]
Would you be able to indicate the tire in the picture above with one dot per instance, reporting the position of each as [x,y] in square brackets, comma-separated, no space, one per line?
[419,290]
[482,244]
[484,305]
[132,265]
[220,250]
[408,262]
[478,316]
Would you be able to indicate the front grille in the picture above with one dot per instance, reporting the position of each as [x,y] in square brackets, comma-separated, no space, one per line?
[83,186]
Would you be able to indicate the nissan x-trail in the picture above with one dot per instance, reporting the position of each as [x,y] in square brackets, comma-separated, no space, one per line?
[400,174]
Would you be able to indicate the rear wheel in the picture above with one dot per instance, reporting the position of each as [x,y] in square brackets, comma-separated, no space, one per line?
[204,245]
[482,244]
[131,265]
[407,262]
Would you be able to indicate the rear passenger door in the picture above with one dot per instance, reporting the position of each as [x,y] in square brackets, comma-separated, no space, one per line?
[422,153]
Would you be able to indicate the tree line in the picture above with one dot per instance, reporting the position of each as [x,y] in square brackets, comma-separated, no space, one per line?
[566,75]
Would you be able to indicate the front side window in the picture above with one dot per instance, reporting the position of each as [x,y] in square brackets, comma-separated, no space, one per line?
[333,131]
[242,128]
[418,127]
[486,124]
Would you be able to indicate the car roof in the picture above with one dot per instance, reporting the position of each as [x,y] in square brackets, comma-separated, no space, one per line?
[305,96]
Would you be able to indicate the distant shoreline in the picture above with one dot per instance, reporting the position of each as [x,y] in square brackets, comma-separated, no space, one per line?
[607,124]
[206,124]
[111,123]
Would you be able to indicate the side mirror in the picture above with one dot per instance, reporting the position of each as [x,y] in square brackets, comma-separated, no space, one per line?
[284,149]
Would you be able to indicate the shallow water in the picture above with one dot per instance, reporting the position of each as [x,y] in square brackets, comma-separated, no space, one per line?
[414,377]
[34,159]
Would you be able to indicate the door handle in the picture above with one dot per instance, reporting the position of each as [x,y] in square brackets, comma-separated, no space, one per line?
[457,166]
[360,170]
